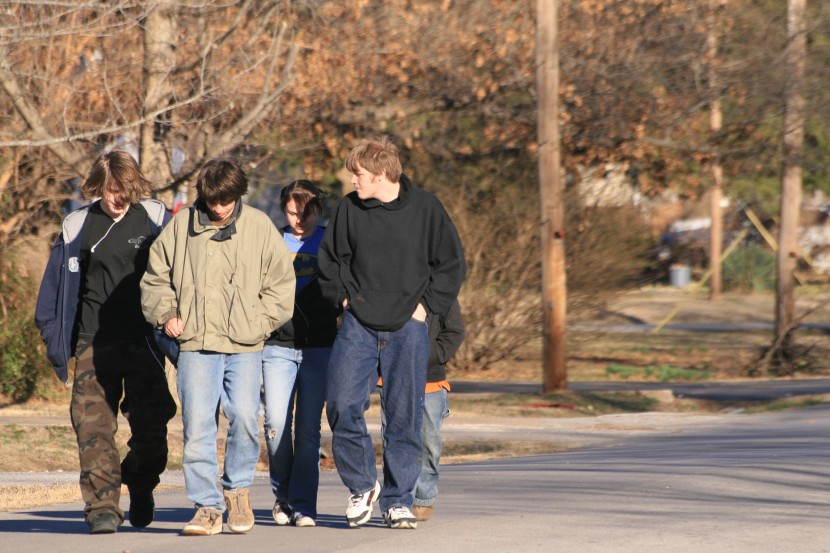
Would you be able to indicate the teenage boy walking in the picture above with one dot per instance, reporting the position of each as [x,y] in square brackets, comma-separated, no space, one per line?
[219,280]
[89,306]
[391,255]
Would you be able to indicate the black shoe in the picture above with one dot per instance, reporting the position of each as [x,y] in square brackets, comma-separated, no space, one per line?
[105,523]
[142,508]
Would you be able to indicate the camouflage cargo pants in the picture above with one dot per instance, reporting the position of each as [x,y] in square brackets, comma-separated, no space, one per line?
[129,374]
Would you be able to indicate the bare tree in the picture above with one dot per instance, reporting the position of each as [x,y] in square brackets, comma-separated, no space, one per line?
[182,81]
[791,182]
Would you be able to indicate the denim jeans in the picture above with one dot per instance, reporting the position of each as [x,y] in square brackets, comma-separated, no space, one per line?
[207,380]
[359,353]
[294,468]
[279,374]
[436,409]
[311,396]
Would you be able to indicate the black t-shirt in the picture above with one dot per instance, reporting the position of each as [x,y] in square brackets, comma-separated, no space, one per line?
[113,260]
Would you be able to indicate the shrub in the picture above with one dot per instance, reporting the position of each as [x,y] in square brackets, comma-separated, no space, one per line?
[749,269]
[606,250]
[24,370]
[500,296]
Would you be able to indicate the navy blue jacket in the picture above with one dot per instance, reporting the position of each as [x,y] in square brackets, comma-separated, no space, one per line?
[58,299]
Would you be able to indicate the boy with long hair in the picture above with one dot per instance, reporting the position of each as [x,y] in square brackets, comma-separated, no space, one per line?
[89,307]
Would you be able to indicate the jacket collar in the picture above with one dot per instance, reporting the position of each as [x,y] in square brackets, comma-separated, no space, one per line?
[202,222]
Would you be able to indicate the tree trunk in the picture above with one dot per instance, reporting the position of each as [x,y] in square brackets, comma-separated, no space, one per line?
[716,189]
[550,192]
[159,61]
[791,179]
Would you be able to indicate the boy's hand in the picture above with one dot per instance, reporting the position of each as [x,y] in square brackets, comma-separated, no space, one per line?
[174,327]
[420,313]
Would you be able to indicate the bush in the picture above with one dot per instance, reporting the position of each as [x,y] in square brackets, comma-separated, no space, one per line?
[606,250]
[500,298]
[24,370]
[749,269]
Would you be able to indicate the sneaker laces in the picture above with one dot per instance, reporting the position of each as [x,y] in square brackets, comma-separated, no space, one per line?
[399,512]
[239,501]
[204,513]
[357,499]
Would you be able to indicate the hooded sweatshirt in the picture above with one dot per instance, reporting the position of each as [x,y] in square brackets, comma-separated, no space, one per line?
[388,257]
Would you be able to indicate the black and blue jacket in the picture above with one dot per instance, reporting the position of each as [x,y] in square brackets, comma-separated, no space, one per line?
[58,298]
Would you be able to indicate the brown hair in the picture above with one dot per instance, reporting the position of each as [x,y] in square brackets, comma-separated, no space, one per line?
[221,181]
[376,155]
[118,172]
[307,198]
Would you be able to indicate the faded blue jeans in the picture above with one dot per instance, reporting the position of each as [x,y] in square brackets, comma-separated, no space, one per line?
[400,357]
[436,409]
[291,375]
[279,374]
[207,380]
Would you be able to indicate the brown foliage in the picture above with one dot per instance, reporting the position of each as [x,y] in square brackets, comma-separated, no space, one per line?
[606,251]
[77,78]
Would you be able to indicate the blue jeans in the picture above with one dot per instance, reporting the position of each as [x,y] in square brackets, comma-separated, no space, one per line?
[207,380]
[436,409]
[359,353]
[279,373]
[294,468]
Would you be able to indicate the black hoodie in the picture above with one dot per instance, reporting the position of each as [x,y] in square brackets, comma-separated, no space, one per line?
[388,257]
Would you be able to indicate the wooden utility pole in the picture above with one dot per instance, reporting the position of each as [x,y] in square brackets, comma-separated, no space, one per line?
[715,124]
[552,205]
[791,180]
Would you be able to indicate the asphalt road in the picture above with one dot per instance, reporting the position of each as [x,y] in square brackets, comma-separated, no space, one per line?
[640,483]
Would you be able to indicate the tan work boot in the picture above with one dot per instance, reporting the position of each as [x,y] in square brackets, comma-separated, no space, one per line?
[206,522]
[422,512]
[240,515]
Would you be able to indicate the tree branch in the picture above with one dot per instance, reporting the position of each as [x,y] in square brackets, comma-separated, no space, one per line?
[33,119]
[267,100]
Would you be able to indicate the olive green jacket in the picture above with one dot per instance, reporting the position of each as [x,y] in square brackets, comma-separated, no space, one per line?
[231,286]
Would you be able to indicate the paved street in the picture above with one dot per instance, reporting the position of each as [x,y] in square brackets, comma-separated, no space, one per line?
[727,482]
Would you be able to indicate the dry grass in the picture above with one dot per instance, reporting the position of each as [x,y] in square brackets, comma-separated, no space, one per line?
[41,448]
[456,452]
[53,447]
[17,497]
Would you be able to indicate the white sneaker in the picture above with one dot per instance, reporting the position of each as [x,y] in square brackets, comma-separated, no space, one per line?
[281,512]
[359,510]
[301,520]
[400,517]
